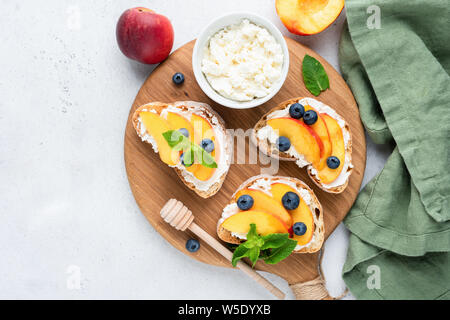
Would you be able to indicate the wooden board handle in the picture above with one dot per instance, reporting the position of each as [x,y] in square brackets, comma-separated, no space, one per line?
[202,234]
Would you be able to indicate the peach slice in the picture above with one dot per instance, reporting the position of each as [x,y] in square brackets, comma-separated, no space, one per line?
[156,126]
[264,202]
[265,223]
[321,129]
[302,137]
[301,214]
[306,17]
[203,130]
[177,122]
[327,175]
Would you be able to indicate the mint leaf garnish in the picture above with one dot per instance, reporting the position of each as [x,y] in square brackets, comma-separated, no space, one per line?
[282,252]
[271,248]
[274,240]
[239,253]
[254,255]
[252,234]
[203,157]
[188,157]
[193,152]
[176,140]
[314,75]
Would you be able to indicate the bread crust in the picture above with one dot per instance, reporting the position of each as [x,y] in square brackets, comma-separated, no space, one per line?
[208,113]
[315,207]
[267,149]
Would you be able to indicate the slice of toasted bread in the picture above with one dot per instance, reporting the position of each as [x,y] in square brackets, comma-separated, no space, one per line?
[266,180]
[204,189]
[269,148]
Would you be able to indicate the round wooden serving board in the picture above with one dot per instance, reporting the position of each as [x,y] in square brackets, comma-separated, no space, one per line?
[153,183]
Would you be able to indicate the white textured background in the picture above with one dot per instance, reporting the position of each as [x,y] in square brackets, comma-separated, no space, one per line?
[65,94]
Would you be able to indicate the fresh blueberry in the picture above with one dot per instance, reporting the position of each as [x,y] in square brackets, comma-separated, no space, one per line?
[192,245]
[184,132]
[296,110]
[182,161]
[245,202]
[290,200]
[178,78]
[299,228]
[208,145]
[310,117]
[333,162]
[283,143]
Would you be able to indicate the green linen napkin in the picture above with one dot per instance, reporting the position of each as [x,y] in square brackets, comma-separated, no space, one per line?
[400,223]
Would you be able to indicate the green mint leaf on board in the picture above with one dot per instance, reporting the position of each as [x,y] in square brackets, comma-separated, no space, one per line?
[252,234]
[193,152]
[281,253]
[271,248]
[253,239]
[238,254]
[274,240]
[253,255]
[264,254]
[314,75]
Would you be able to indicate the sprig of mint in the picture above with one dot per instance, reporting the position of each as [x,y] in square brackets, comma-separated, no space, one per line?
[314,75]
[271,248]
[192,152]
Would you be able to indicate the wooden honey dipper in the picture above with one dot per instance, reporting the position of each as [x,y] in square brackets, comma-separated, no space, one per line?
[181,218]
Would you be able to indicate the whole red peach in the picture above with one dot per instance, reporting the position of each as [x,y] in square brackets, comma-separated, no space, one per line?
[144,35]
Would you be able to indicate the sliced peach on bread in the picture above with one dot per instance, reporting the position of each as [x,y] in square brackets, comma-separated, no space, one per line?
[156,126]
[262,200]
[326,174]
[303,139]
[314,135]
[203,130]
[320,128]
[154,119]
[301,214]
[177,122]
[265,222]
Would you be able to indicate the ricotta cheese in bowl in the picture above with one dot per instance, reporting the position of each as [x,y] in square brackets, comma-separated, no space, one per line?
[243,61]
[240,60]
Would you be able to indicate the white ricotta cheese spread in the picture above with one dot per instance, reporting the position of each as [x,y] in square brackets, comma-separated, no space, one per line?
[242,61]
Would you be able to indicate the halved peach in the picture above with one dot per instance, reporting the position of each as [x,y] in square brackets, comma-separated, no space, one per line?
[202,130]
[328,175]
[306,17]
[301,214]
[265,223]
[321,129]
[156,126]
[302,137]
[263,202]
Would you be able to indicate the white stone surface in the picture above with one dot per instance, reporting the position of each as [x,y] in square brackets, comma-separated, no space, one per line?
[65,205]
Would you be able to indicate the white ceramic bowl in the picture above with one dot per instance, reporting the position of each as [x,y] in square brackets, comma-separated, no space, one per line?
[203,40]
